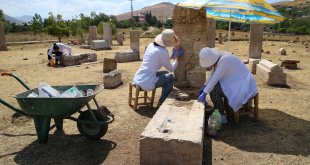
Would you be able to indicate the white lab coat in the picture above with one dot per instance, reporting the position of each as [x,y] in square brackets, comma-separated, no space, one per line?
[62,48]
[236,81]
[154,58]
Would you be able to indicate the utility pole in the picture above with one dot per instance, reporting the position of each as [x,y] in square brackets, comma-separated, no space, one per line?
[131,9]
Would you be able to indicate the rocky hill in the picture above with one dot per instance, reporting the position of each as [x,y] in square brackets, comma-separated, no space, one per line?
[162,11]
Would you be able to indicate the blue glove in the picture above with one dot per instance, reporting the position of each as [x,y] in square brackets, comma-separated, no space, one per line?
[201,89]
[206,104]
[202,97]
[179,53]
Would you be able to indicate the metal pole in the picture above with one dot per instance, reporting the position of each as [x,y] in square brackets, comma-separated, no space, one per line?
[131,7]
[229,31]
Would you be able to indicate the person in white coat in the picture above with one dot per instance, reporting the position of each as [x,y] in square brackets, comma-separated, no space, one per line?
[156,55]
[58,49]
[229,77]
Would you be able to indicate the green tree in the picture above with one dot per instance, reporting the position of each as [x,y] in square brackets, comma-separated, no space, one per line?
[1,16]
[57,27]
[37,25]
[76,29]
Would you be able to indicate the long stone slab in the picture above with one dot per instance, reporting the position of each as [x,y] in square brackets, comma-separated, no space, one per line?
[126,56]
[100,45]
[78,59]
[270,73]
[174,135]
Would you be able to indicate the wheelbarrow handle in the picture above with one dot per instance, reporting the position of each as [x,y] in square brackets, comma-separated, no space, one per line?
[6,74]
[17,78]
[13,108]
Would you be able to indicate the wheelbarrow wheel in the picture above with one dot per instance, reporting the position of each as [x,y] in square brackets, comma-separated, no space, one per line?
[92,131]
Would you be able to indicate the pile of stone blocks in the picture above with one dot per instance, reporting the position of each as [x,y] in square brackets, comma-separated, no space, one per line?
[3,46]
[195,32]
[134,53]
[174,135]
[271,73]
[289,63]
[78,59]
[100,45]
[112,78]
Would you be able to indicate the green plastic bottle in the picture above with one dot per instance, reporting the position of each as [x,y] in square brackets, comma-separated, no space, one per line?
[217,115]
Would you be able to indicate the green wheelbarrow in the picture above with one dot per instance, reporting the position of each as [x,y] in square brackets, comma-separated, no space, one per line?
[91,123]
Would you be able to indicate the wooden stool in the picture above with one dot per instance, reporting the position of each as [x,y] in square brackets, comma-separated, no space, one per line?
[147,100]
[244,110]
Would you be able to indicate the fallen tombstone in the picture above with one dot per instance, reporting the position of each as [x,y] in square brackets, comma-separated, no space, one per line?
[270,73]
[289,63]
[78,59]
[126,56]
[100,45]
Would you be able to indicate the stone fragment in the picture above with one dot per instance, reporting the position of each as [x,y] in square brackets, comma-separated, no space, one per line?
[267,52]
[112,79]
[109,65]
[282,51]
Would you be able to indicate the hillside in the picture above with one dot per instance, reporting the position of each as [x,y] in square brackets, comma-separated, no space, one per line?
[162,11]
[296,3]
[12,19]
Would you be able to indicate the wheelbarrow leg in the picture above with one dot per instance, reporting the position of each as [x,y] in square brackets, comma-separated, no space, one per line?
[42,125]
[59,123]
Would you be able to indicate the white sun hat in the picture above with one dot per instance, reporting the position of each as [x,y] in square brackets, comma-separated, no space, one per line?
[208,56]
[166,38]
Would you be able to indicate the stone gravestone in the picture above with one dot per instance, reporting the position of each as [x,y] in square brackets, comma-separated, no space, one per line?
[220,38]
[120,39]
[112,79]
[107,33]
[256,41]
[270,73]
[190,26]
[282,51]
[92,34]
[3,46]
[135,42]
[109,65]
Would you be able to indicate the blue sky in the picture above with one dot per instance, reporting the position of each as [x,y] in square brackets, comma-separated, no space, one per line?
[71,8]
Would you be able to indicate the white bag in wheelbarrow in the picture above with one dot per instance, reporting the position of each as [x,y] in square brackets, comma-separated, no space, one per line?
[72,92]
[47,91]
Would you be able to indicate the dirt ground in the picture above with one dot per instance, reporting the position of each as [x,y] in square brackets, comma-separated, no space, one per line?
[281,136]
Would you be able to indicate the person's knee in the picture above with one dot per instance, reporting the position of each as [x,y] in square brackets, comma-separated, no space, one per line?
[171,78]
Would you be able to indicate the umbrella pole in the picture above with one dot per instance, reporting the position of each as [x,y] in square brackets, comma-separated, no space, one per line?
[229,29]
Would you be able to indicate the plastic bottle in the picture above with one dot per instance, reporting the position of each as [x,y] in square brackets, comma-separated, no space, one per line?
[212,124]
[89,92]
[47,91]
[72,92]
[216,115]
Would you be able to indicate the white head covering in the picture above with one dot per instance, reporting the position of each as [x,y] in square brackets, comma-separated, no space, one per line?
[208,56]
[166,38]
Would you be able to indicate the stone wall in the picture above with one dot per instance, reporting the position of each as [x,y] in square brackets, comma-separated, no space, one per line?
[3,46]
[192,28]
